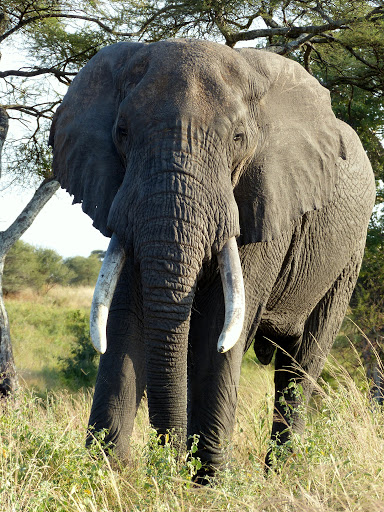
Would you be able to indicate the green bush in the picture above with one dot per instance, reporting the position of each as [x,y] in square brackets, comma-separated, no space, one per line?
[41,269]
[30,267]
[20,268]
[80,368]
[84,271]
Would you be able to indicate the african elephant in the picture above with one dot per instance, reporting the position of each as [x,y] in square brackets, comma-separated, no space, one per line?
[193,156]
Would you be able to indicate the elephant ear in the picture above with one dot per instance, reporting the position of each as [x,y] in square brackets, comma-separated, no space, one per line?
[85,160]
[294,168]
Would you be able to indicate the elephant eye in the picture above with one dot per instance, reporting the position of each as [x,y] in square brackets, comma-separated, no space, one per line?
[238,137]
[121,131]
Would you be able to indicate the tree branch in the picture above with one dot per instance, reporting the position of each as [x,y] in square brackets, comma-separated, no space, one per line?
[42,195]
[291,32]
[295,32]
[34,110]
[36,72]
[4,122]
[23,22]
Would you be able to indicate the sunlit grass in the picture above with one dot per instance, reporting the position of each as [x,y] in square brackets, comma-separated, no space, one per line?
[40,333]
[337,465]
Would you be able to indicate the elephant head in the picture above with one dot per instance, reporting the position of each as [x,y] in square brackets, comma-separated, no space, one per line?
[176,148]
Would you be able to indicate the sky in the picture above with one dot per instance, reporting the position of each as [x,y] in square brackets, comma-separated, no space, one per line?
[60,225]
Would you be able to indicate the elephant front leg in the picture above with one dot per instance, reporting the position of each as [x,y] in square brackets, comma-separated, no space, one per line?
[213,380]
[121,376]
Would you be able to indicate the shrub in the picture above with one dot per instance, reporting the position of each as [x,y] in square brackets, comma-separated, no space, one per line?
[30,267]
[80,368]
[84,270]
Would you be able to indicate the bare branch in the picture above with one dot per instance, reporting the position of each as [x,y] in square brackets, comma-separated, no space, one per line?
[291,32]
[291,46]
[34,110]
[4,122]
[42,195]
[36,72]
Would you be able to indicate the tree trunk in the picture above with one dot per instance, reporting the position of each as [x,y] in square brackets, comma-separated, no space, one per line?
[4,122]
[8,376]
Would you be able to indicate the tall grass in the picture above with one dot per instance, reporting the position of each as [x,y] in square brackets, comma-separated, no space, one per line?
[41,334]
[337,465]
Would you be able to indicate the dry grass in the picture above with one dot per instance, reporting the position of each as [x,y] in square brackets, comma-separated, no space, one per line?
[338,465]
[78,297]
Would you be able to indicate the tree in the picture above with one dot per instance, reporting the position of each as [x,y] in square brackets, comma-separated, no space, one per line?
[51,270]
[84,270]
[20,268]
[99,254]
[8,377]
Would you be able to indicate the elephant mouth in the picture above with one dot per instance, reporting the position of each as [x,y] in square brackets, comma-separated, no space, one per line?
[233,288]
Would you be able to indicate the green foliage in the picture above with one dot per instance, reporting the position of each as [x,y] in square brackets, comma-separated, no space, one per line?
[80,368]
[29,267]
[51,270]
[352,67]
[41,269]
[20,267]
[41,452]
[60,36]
[84,271]
[99,254]
[41,333]
[164,463]
[368,299]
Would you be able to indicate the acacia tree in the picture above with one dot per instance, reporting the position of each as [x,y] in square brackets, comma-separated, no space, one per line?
[341,43]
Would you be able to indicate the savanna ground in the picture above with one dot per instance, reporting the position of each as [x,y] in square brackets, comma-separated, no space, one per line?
[338,465]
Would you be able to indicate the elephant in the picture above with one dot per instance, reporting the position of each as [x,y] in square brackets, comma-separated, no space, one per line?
[233,197]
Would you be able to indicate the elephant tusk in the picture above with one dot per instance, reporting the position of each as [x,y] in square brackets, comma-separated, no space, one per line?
[234,295]
[105,287]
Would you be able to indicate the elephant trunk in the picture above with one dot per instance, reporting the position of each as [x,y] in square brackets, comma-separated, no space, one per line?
[168,289]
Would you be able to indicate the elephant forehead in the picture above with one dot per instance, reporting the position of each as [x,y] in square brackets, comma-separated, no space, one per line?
[190,74]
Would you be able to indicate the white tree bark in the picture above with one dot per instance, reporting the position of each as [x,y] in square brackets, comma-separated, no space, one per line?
[8,376]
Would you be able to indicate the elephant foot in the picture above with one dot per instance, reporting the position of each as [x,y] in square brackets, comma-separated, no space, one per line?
[205,475]
[5,387]
[279,453]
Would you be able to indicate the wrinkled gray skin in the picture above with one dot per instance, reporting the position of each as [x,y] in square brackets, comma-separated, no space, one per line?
[176,146]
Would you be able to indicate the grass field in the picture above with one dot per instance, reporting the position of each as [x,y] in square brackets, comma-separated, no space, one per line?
[338,465]
[41,334]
